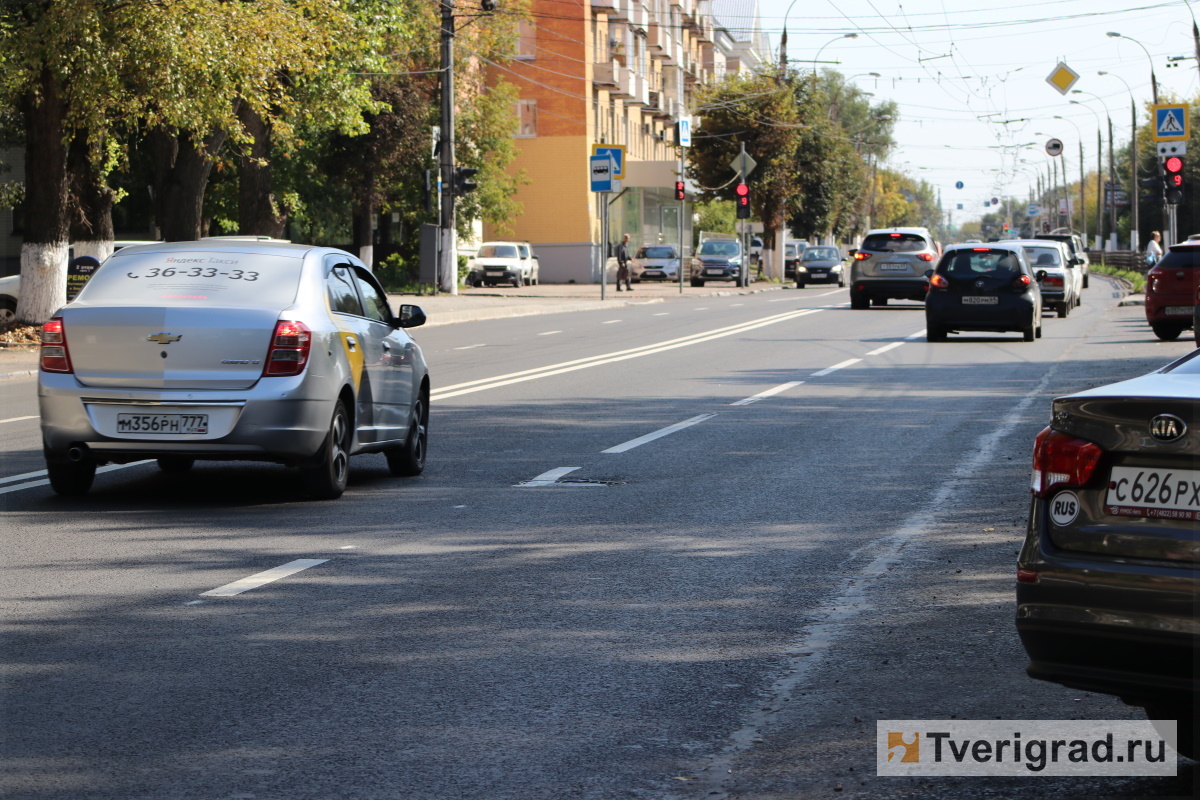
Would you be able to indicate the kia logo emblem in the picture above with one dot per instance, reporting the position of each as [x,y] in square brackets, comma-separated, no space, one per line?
[1167,427]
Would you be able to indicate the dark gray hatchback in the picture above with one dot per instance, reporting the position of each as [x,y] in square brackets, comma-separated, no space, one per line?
[1107,580]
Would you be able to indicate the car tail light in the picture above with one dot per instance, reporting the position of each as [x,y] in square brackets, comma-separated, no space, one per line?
[925,256]
[1027,575]
[1021,281]
[290,345]
[1062,461]
[861,256]
[939,281]
[1052,280]
[55,356]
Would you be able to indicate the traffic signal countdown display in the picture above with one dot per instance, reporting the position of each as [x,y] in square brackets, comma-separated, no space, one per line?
[1173,167]
[680,193]
[743,201]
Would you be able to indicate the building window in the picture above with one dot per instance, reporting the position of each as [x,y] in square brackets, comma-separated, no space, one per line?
[527,114]
[526,40]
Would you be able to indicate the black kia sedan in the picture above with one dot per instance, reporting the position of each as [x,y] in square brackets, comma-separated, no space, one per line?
[983,288]
[1108,580]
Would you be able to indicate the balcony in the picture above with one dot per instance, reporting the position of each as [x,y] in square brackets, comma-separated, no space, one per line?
[605,73]
[615,9]
[622,82]
[658,38]
[638,16]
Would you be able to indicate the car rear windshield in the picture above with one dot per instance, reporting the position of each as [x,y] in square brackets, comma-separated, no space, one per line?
[1043,256]
[790,251]
[895,243]
[656,252]
[497,251]
[720,249]
[821,254]
[978,262]
[186,278]
[1181,258]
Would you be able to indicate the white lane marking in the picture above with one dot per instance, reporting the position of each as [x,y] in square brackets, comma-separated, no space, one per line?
[261,578]
[916,335]
[826,294]
[650,437]
[885,348]
[663,314]
[610,322]
[836,367]
[838,617]
[18,419]
[42,474]
[783,387]
[781,300]
[547,478]
[702,308]
[470,347]
[608,358]
[549,333]
[735,305]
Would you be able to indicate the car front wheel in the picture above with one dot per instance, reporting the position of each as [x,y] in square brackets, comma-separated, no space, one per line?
[326,480]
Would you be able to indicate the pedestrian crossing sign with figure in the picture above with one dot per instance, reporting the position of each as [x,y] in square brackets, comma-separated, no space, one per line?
[1171,123]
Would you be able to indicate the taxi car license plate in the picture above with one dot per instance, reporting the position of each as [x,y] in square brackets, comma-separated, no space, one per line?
[162,423]
[980,300]
[1153,492]
[1179,311]
[894,267]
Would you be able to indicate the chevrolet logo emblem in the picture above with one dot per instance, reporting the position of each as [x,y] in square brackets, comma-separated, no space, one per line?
[164,338]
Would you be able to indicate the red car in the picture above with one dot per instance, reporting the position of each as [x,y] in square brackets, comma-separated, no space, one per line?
[1171,287]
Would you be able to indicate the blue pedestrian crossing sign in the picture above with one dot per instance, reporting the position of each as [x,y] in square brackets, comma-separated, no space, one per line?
[1171,123]
[617,151]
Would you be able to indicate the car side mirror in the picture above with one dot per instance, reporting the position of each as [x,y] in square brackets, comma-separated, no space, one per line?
[1076,261]
[852,253]
[1040,274]
[410,316]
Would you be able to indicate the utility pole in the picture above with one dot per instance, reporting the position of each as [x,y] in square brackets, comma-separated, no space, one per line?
[1112,179]
[447,252]
[1082,197]
[1099,187]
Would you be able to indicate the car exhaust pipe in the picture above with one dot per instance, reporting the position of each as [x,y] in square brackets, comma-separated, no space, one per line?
[77,453]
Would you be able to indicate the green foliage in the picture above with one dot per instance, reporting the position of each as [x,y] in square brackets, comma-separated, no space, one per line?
[1136,279]
[716,216]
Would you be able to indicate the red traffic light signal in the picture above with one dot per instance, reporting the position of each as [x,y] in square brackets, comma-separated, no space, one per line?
[679,190]
[1173,166]
[743,201]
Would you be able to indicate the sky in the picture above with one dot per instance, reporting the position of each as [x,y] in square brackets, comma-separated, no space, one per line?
[970,78]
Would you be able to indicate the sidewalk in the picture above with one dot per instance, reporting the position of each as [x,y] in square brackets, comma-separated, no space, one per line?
[488,303]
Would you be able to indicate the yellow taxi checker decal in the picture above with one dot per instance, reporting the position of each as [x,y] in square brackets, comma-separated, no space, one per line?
[354,355]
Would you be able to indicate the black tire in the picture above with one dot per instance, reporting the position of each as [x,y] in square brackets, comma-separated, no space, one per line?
[934,333]
[1085,280]
[801,284]
[859,301]
[409,458]
[1064,308]
[1038,330]
[1185,723]
[1028,334]
[176,464]
[841,282]
[326,479]
[8,311]
[879,301]
[697,283]
[71,478]
[1167,331]
[518,281]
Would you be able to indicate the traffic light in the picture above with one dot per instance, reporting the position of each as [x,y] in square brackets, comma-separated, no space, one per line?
[487,6]
[1173,167]
[679,190]
[463,182]
[743,201]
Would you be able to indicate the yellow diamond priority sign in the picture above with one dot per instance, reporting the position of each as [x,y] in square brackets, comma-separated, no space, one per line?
[1062,78]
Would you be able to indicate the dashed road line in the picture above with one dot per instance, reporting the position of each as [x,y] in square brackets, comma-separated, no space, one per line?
[885,348]
[470,347]
[548,478]
[18,419]
[650,437]
[848,362]
[549,333]
[261,578]
[783,387]
[916,335]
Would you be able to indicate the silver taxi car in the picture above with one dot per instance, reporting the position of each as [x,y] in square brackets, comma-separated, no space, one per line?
[227,349]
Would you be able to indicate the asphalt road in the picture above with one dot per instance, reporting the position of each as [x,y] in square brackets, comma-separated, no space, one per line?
[691,549]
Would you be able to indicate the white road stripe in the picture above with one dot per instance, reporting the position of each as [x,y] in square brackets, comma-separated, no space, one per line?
[547,478]
[916,335]
[41,473]
[261,578]
[836,367]
[663,314]
[781,300]
[18,419]
[650,437]
[783,387]
[610,322]
[885,348]
[482,384]
[826,294]
[470,347]
[549,333]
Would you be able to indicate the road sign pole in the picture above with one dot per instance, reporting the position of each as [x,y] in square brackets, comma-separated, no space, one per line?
[603,243]
[682,206]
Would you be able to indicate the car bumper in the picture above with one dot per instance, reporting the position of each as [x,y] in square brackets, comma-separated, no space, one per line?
[898,288]
[279,419]
[1010,314]
[1170,307]
[722,275]
[1116,626]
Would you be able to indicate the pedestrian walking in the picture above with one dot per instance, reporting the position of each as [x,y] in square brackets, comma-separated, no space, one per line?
[623,265]
[1154,251]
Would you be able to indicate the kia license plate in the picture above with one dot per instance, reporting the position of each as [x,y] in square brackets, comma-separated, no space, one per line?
[162,423]
[1179,311]
[980,300]
[1154,492]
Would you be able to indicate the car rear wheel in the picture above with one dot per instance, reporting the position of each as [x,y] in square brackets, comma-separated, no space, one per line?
[1167,331]
[1029,333]
[409,459]
[1064,308]
[326,480]
[935,333]
[1185,724]
[71,478]
[879,301]
[859,301]
[1085,281]
[841,282]
[175,464]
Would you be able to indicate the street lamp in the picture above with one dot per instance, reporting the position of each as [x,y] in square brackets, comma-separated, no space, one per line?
[1112,169]
[1082,200]
[1153,80]
[817,57]
[1133,160]
[783,41]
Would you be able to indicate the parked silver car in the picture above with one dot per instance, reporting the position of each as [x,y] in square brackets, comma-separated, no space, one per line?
[232,349]
[655,262]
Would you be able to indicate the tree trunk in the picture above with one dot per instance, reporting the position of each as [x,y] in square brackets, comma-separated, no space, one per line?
[45,245]
[181,168]
[258,213]
[91,202]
